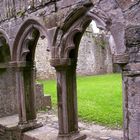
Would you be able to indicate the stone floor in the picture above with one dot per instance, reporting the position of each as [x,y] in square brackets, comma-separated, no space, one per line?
[49,130]
[93,132]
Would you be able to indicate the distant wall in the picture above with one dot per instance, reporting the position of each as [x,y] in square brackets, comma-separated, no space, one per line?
[94,55]
[43,68]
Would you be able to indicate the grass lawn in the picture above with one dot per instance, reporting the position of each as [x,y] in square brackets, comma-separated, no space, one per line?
[99,98]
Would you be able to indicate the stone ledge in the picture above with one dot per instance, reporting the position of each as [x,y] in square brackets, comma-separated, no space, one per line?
[50,133]
[121,58]
[43,133]
[77,136]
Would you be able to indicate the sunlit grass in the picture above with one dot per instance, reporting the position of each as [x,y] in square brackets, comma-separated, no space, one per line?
[99,98]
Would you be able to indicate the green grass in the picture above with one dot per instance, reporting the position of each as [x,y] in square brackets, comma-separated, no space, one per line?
[99,98]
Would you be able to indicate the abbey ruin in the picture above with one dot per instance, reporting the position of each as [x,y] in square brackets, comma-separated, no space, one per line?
[62,23]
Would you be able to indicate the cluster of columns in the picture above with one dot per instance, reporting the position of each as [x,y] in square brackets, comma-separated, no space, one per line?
[25,88]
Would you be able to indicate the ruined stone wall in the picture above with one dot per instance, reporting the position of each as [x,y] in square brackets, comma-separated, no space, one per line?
[62,20]
[43,68]
[92,57]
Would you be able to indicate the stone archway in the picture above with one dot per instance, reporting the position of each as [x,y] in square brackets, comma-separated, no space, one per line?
[65,60]
[66,22]
[23,59]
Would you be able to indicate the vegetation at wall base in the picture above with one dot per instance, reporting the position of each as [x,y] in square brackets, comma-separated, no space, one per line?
[99,98]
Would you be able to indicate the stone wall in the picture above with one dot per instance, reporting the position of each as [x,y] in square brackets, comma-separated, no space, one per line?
[8,96]
[92,57]
[63,21]
[43,68]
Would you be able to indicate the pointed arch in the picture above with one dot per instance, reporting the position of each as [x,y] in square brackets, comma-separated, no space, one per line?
[73,29]
[29,32]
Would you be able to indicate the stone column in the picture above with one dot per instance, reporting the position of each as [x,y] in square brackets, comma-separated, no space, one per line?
[131,83]
[21,96]
[29,90]
[67,99]
[25,82]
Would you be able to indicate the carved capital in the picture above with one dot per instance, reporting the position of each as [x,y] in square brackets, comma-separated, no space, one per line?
[59,63]
[21,64]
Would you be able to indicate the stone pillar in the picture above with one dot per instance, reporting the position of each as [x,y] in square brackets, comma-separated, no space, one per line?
[29,91]
[67,99]
[25,82]
[131,83]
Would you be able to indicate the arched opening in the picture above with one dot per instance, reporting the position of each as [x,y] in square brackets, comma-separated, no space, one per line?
[65,55]
[31,75]
[30,93]
[99,101]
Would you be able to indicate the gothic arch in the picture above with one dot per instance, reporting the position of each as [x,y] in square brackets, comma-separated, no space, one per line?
[23,59]
[65,53]
[68,41]
[29,32]
[73,27]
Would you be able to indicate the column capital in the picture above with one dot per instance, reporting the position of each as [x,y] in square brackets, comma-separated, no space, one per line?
[21,64]
[16,64]
[63,62]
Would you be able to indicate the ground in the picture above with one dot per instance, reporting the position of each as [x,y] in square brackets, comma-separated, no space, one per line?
[99,98]
[93,132]
[49,130]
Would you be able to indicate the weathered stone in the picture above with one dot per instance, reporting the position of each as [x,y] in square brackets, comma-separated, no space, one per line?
[132,34]
[42,101]
[23,22]
[94,56]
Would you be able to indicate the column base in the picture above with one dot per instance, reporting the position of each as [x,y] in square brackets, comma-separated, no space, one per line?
[29,126]
[77,136]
